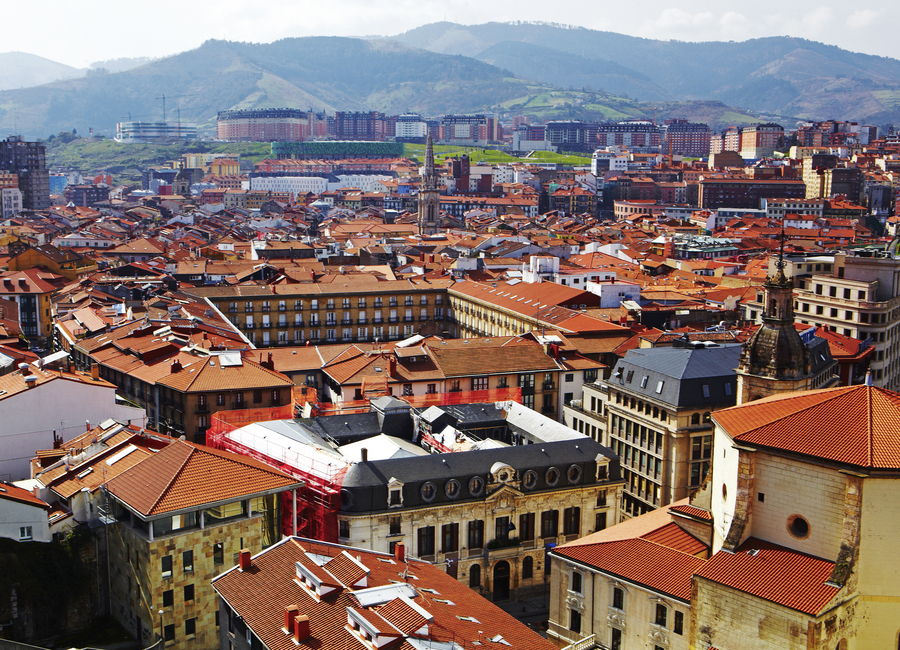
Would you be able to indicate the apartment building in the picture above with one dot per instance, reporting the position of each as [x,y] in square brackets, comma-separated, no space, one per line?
[860,298]
[357,308]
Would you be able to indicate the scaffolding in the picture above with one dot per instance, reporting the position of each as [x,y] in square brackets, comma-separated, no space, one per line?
[321,470]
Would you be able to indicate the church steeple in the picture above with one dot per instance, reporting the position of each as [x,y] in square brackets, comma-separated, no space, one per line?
[429,205]
[775,359]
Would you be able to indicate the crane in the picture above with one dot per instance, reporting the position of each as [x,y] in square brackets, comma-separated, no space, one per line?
[163,98]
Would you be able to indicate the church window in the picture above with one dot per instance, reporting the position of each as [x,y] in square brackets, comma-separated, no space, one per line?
[798,527]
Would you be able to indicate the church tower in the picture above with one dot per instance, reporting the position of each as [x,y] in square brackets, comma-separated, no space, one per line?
[429,206]
[182,183]
[775,359]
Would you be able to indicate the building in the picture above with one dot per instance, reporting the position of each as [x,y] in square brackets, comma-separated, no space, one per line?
[410,127]
[180,514]
[305,593]
[144,132]
[28,161]
[760,140]
[359,125]
[638,136]
[659,404]
[32,289]
[41,406]
[859,298]
[264,125]
[501,484]
[24,517]
[10,201]
[470,129]
[86,195]
[776,359]
[690,139]
[717,193]
[629,586]
[428,205]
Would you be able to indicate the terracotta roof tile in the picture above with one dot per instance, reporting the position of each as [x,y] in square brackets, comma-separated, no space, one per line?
[774,573]
[692,511]
[208,374]
[675,537]
[184,475]
[856,425]
[21,495]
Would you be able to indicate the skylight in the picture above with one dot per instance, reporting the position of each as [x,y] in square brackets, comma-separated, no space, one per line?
[119,456]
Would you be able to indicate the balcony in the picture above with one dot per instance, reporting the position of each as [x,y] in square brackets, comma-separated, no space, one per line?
[393,319]
[548,385]
[266,308]
[265,325]
[474,552]
[362,321]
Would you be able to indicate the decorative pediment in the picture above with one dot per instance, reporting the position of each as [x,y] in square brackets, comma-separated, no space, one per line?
[574,601]
[616,619]
[658,636]
[504,492]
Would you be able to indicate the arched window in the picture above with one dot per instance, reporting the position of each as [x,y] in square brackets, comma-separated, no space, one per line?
[475,575]
[695,418]
[707,417]
[527,568]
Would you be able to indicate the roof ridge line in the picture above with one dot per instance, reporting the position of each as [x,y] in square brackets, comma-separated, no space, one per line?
[793,413]
[175,475]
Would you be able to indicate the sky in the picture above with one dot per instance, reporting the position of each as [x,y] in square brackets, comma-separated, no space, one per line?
[79,34]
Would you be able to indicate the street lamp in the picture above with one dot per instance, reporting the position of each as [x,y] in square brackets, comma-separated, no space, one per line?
[160,624]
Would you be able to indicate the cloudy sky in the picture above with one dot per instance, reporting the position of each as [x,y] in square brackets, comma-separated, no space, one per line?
[81,33]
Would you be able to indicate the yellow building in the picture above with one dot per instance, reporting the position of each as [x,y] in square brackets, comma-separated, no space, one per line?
[183,515]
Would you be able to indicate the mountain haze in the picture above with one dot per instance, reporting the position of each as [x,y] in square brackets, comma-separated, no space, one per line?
[21,70]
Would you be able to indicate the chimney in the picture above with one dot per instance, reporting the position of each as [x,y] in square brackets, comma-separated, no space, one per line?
[245,563]
[364,454]
[400,552]
[87,425]
[290,613]
[392,366]
[176,366]
[95,372]
[30,381]
[301,628]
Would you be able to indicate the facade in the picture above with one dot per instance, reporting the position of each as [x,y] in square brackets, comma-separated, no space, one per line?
[28,161]
[659,403]
[760,140]
[143,132]
[691,139]
[175,531]
[86,195]
[717,193]
[859,298]
[305,593]
[32,289]
[23,516]
[38,406]
[263,125]
[469,129]
[428,203]
[515,483]
[10,201]
[359,125]
[636,135]
[410,127]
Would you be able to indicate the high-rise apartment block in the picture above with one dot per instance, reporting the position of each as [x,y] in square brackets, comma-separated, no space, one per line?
[27,161]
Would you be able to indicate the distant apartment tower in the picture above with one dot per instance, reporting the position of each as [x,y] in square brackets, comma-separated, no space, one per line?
[470,129]
[761,140]
[265,125]
[410,127]
[27,161]
[148,132]
[359,125]
[691,139]
[638,135]
[571,134]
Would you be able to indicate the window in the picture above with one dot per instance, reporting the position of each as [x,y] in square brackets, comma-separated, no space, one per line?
[618,598]
[476,534]
[343,528]
[479,383]
[169,633]
[218,553]
[449,538]
[187,561]
[616,639]
[549,523]
[475,575]
[599,521]
[527,567]
[190,627]
[678,625]
[396,497]
[188,593]
[572,521]
[662,613]
[257,397]
[426,541]
[166,566]
[574,620]
[25,533]
[659,386]
[502,528]
[526,526]
[502,382]
[395,526]
[168,598]
[575,583]
[526,381]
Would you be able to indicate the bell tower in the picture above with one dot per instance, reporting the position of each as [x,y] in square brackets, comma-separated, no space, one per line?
[429,205]
[775,359]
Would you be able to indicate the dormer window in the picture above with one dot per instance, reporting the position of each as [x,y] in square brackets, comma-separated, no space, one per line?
[395,493]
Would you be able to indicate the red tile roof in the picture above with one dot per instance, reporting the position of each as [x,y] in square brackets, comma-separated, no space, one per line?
[693,511]
[675,537]
[856,425]
[21,495]
[185,475]
[640,561]
[774,573]
[261,594]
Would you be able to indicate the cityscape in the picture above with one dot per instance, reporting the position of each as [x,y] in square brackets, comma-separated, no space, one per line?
[569,370]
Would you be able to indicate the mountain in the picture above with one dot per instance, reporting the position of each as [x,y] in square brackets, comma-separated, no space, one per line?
[324,73]
[784,75]
[21,70]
